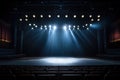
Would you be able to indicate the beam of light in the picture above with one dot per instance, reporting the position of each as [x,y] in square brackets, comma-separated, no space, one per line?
[60,60]
[74,39]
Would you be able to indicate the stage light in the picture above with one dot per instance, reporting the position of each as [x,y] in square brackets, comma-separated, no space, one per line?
[41,28]
[82,16]
[34,16]
[26,19]
[90,24]
[66,16]
[87,28]
[65,27]
[83,26]
[98,19]
[30,24]
[36,26]
[92,19]
[90,16]
[54,27]
[49,16]
[32,28]
[69,26]
[74,26]
[74,16]
[58,16]
[45,26]
[20,19]
[26,16]
[41,16]
[78,28]
[98,16]
[50,26]
[86,24]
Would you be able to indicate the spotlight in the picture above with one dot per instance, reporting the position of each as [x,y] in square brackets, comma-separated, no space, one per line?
[45,26]
[26,19]
[58,16]
[82,16]
[74,26]
[50,26]
[41,28]
[32,28]
[90,24]
[41,16]
[26,16]
[34,16]
[86,24]
[90,16]
[36,26]
[92,19]
[29,24]
[98,19]
[78,28]
[74,16]
[87,28]
[54,27]
[49,16]
[98,16]
[66,16]
[20,19]
[64,27]
[83,26]
[69,26]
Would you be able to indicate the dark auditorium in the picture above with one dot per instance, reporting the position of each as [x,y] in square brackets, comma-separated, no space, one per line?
[59,40]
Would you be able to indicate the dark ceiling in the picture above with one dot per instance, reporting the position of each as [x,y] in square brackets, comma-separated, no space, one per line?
[8,6]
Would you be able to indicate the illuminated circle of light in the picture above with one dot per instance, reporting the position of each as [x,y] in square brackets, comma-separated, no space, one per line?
[60,60]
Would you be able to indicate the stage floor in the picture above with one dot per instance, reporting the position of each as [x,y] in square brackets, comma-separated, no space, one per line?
[58,61]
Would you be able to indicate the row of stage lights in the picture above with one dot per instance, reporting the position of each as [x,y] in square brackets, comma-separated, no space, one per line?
[58,16]
[54,27]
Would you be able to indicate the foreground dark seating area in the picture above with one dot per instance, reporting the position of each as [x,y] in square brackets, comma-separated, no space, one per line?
[60,72]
